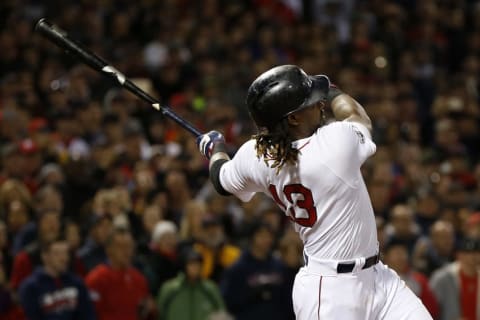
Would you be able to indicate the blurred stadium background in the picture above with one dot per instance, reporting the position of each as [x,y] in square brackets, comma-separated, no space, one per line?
[81,157]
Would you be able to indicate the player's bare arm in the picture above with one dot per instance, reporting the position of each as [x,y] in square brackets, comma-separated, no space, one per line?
[344,107]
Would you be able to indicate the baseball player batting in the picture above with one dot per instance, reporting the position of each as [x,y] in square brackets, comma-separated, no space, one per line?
[312,171]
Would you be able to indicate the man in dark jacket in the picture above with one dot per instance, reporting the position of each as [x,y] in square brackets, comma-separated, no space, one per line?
[52,292]
[256,286]
[92,253]
[162,262]
[25,262]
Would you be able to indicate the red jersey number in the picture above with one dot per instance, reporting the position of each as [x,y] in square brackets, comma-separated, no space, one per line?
[306,203]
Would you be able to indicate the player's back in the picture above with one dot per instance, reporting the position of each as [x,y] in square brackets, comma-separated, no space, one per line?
[325,193]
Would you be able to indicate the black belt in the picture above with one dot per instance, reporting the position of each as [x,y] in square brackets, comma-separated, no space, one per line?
[348,267]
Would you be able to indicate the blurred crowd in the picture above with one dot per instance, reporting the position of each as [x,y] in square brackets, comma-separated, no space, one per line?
[106,211]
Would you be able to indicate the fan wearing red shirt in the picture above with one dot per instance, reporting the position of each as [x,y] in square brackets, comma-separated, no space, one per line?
[118,289]
[456,284]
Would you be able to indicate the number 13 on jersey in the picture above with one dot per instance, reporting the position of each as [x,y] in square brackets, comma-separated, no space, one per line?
[306,203]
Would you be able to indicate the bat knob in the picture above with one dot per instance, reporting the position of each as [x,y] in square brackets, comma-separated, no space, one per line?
[41,24]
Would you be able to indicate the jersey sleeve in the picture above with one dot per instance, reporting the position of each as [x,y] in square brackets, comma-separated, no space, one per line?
[349,144]
[241,176]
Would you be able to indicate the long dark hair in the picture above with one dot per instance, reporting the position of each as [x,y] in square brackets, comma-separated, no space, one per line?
[275,145]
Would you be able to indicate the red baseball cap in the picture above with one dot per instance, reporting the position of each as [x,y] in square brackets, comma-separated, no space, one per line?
[37,124]
[28,146]
[474,218]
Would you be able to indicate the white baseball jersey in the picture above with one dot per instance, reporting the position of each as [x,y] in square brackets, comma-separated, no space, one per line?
[326,197]
[324,194]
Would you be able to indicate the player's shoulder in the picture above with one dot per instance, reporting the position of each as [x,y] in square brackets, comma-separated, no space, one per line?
[247,150]
[339,128]
[340,125]
[249,145]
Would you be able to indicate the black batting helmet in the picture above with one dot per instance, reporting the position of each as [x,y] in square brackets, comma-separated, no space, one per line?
[283,90]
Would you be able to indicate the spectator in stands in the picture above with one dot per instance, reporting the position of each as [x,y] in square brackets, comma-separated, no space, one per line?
[218,254]
[47,198]
[402,227]
[52,292]
[275,219]
[21,226]
[151,216]
[51,174]
[32,162]
[456,284]
[11,159]
[396,257]
[380,223]
[48,229]
[427,211]
[144,184]
[290,251]
[72,235]
[5,257]
[178,193]
[10,191]
[119,290]
[472,226]
[256,286]
[189,296]
[435,251]
[6,296]
[92,253]
[162,263]
[191,227]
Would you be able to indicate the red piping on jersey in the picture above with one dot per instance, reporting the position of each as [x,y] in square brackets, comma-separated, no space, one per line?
[269,157]
[319,296]
[301,147]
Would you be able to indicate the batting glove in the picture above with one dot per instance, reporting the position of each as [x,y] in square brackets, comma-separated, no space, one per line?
[207,141]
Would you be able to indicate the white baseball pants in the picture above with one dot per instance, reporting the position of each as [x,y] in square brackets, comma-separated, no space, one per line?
[376,293]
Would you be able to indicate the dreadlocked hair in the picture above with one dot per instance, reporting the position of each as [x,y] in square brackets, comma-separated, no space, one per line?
[275,145]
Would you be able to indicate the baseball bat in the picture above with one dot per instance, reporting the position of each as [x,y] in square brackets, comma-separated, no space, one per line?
[62,40]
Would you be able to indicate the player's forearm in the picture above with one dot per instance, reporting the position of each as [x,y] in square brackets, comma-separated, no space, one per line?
[219,153]
[344,107]
[218,159]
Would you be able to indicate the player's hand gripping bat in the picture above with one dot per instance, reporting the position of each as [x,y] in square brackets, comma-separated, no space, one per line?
[61,39]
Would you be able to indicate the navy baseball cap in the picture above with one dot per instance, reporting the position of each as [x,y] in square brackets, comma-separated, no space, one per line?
[469,245]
